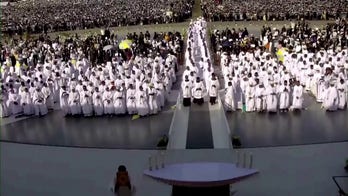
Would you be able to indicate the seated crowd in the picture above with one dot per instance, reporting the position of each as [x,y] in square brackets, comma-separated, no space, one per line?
[83,79]
[268,10]
[273,72]
[38,16]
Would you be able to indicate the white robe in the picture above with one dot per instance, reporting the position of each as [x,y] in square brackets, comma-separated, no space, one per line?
[272,100]
[14,103]
[119,102]
[230,101]
[342,99]
[297,97]
[131,101]
[26,102]
[86,103]
[284,97]
[5,110]
[186,88]
[250,99]
[142,103]
[153,101]
[260,104]
[48,97]
[108,102]
[74,103]
[39,103]
[214,88]
[64,102]
[98,106]
[330,101]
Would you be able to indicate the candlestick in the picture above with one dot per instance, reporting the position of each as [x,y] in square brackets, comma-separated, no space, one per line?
[237,159]
[251,161]
[156,162]
[162,160]
[244,160]
[150,163]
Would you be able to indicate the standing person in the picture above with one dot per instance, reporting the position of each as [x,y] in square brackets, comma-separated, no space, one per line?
[14,102]
[197,93]
[330,102]
[260,104]
[131,100]
[48,96]
[284,97]
[107,102]
[39,103]
[214,87]
[98,106]
[272,101]
[5,110]
[186,88]
[64,101]
[153,104]
[86,102]
[26,102]
[74,102]
[297,97]
[142,102]
[342,91]
[119,101]
[230,101]
[250,98]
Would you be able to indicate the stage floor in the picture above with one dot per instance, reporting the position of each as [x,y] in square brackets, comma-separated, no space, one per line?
[310,126]
[255,130]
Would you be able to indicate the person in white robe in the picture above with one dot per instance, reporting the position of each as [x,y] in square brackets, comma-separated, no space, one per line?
[272,101]
[330,102]
[250,98]
[108,102]
[64,101]
[214,87]
[198,92]
[98,106]
[86,102]
[297,97]
[119,101]
[186,88]
[230,101]
[342,93]
[131,100]
[40,107]
[74,102]
[142,102]
[260,103]
[49,99]
[5,110]
[26,102]
[153,101]
[284,97]
[14,102]
[160,93]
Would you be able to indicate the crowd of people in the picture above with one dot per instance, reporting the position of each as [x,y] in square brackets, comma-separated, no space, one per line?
[268,10]
[199,79]
[38,16]
[272,73]
[40,74]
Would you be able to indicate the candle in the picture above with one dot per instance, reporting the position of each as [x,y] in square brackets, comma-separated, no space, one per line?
[237,158]
[150,163]
[251,161]
[156,162]
[244,159]
[162,160]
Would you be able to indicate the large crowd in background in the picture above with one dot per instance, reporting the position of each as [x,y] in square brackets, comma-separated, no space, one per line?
[38,16]
[89,77]
[272,72]
[269,10]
